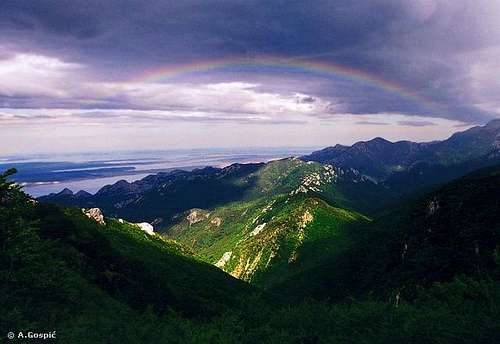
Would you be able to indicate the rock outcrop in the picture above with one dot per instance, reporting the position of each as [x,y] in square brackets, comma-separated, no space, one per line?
[224,259]
[216,221]
[146,227]
[95,214]
[196,216]
[258,229]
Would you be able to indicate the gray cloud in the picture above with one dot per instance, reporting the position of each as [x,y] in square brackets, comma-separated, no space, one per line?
[416,123]
[443,52]
[138,118]
[371,123]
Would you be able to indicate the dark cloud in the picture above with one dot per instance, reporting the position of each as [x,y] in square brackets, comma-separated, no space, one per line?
[427,47]
[56,17]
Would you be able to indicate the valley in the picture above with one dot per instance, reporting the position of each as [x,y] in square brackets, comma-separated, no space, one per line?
[310,240]
[263,220]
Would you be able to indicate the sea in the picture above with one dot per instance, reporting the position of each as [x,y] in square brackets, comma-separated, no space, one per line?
[42,174]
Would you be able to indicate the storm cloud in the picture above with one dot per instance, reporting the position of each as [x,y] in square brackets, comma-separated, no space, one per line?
[425,58]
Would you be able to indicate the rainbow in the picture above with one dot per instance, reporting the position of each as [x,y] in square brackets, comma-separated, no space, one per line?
[295,65]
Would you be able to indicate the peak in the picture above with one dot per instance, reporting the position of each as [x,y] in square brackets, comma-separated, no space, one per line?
[379,140]
[206,169]
[83,193]
[333,148]
[65,191]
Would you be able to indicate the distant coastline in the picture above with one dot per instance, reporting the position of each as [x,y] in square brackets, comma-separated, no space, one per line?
[43,174]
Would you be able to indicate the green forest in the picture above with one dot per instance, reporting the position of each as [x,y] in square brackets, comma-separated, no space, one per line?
[426,271]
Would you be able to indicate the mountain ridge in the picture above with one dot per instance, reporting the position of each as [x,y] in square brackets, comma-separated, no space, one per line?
[380,158]
[390,169]
[428,268]
[171,194]
[435,237]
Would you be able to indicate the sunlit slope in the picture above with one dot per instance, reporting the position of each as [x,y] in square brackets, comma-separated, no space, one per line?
[449,233]
[265,241]
[287,222]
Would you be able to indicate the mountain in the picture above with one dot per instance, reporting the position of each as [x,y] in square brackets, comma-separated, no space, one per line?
[61,267]
[267,222]
[450,232]
[377,158]
[397,163]
[264,223]
[251,220]
[426,271]
[367,176]
[269,241]
[160,199]
[265,241]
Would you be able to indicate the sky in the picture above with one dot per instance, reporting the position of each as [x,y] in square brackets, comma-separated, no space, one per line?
[90,75]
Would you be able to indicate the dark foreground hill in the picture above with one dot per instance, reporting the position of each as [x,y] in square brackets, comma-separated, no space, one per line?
[60,270]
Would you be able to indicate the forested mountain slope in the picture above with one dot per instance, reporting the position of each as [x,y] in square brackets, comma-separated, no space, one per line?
[160,199]
[452,231]
[58,267]
[406,166]
[382,281]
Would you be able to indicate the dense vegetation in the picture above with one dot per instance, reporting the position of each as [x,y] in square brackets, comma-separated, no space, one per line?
[61,269]
[267,240]
[159,199]
[424,273]
[452,231]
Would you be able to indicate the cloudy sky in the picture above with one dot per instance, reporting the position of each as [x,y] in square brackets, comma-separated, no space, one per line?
[83,75]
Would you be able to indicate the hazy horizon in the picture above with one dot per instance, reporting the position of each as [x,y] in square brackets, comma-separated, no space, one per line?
[330,136]
[44,173]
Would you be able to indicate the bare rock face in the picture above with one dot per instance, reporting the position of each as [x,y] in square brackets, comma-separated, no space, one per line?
[216,221]
[305,219]
[224,259]
[196,216]
[32,201]
[95,214]
[258,229]
[146,227]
